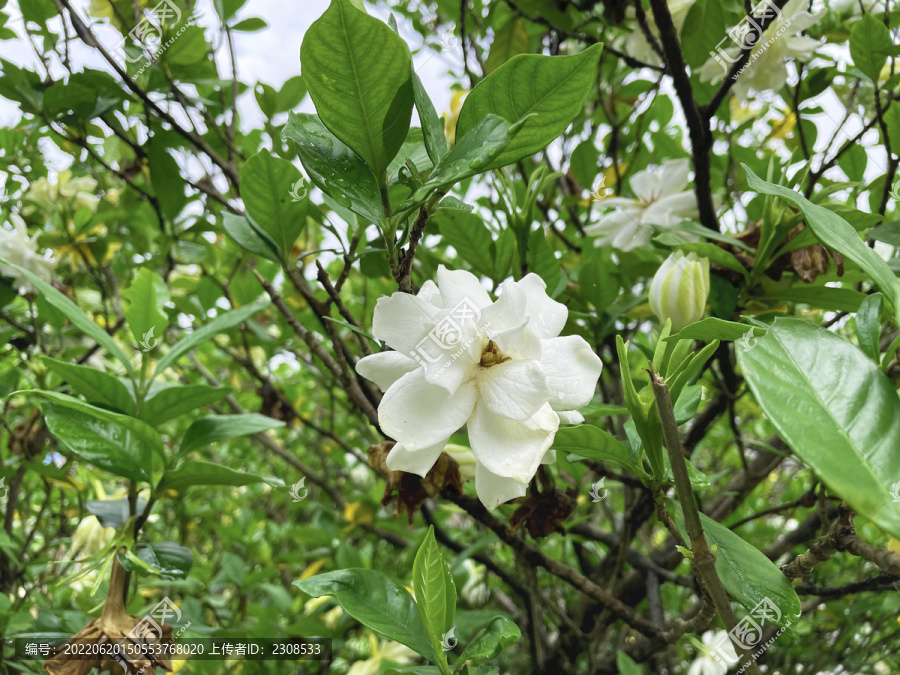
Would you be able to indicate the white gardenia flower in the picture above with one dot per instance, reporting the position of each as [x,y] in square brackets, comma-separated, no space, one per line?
[385,650]
[80,192]
[636,44]
[18,248]
[661,200]
[714,642]
[780,41]
[679,289]
[498,368]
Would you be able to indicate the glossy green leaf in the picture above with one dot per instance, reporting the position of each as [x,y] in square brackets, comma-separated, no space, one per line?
[166,559]
[490,641]
[359,76]
[276,206]
[553,88]
[105,444]
[837,234]
[432,126]
[335,168]
[868,325]
[435,592]
[143,310]
[711,328]
[592,442]
[835,409]
[74,314]
[626,664]
[472,153]
[190,474]
[214,428]
[178,399]
[471,238]
[746,573]
[214,327]
[870,43]
[375,600]
[249,236]
[113,512]
[96,386]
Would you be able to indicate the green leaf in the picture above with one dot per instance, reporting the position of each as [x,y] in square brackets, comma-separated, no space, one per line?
[868,325]
[746,573]
[375,600]
[190,48]
[214,327]
[178,399]
[541,260]
[359,76]
[165,559]
[432,126]
[472,153]
[140,432]
[165,176]
[249,236]
[113,512]
[592,442]
[435,593]
[107,445]
[190,474]
[511,40]
[143,312]
[837,234]
[716,255]
[267,188]
[468,234]
[250,25]
[703,30]
[553,88]
[835,409]
[598,281]
[335,168]
[870,43]
[490,641]
[292,92]
[214,428]
[74,314]
[96,386]
[711,328]
[626,664]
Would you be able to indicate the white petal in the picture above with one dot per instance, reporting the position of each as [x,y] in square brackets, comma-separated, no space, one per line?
[632,237]
[419,414]
[509,448]
[571,369]
[430,293]
[673,176]
[570,417]
[459,286]
[385,368]
[546,317]
[672,210]
[515,390]
[418,461]
[402,321]
[645,184]
[506,322]
[494,490]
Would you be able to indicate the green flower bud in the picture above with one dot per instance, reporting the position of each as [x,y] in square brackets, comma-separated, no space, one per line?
[679,289]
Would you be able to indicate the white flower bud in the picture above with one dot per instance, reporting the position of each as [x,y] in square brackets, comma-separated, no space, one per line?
[679,289]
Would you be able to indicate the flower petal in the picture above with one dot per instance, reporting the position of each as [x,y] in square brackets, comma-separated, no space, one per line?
[385,368]
[459,286]
[430,293]
[414,461]
[515,390]
[420,414]
[494,490]
[510,448]
[673,177]
[402,321]
[546,317]
[571,369]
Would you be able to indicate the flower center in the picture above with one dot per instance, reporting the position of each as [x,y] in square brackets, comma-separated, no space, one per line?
[491,355]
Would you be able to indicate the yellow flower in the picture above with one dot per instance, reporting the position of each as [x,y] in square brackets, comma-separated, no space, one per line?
[452,117]
[78,192]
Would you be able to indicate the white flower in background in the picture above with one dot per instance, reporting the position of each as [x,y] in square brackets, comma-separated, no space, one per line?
[856,7]
[780,41]
[706,663]
[465,458]
[661,200]
[496,367]
[18,248]
[475,590]
[679,289]
[90,537]
[79,192]
[636,44]
[382,651]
